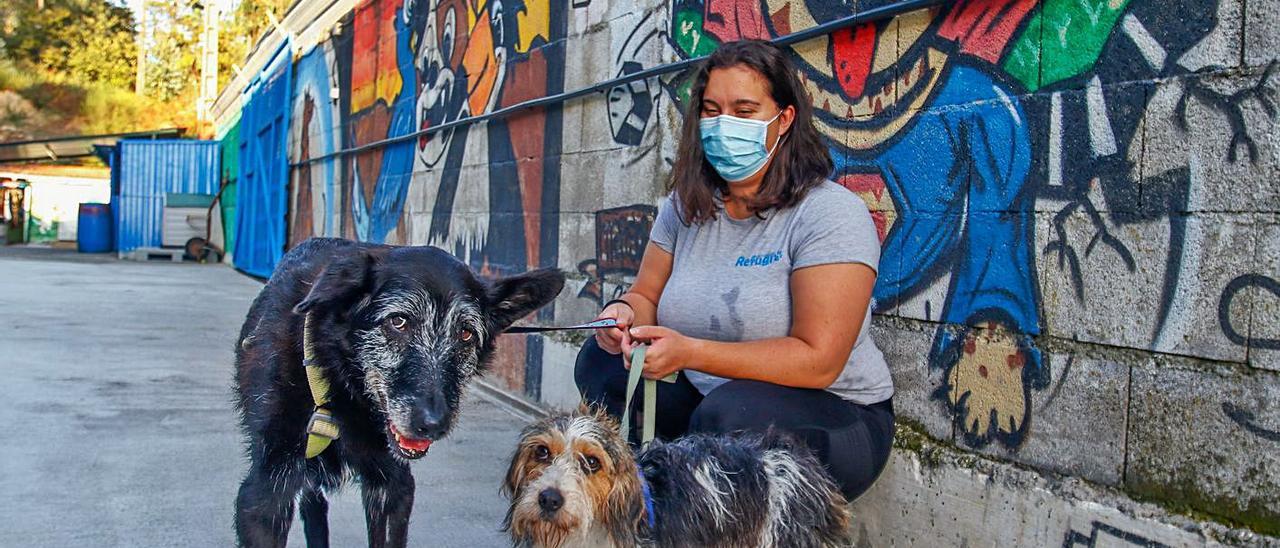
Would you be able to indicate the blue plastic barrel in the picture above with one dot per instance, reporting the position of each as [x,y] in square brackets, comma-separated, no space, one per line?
[93,233]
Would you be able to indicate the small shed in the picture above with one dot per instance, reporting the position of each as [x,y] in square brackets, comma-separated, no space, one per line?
[145,172]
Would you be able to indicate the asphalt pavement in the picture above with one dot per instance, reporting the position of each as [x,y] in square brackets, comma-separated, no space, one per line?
[116,422]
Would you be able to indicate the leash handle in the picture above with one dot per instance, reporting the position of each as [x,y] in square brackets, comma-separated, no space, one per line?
[649,425]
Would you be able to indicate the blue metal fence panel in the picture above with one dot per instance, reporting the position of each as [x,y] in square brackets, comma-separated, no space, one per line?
[144,171]
[261,194]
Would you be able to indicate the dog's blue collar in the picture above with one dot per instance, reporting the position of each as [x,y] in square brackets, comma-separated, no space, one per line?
[648,497]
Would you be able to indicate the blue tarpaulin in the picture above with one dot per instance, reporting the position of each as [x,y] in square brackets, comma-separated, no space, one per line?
[262,200]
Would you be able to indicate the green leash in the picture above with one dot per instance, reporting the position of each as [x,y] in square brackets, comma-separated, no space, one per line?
[650,396]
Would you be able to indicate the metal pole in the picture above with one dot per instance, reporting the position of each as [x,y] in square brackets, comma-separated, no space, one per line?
[140,85]
[208,62]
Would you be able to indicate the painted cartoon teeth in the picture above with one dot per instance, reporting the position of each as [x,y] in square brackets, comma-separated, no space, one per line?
[870,104]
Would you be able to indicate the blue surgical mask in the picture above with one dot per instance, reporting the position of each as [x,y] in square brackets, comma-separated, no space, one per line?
[736,146]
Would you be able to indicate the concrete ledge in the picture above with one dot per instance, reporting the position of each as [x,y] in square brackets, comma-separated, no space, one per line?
[935,495]
[520,407]
[932,495]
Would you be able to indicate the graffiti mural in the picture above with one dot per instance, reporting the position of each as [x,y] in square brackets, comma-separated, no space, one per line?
[621,236]
[486,192]
[379,105]
[957,125]
[1084,183]
[462,72]
[963,211]
[1003,147]
[398,66]
[315,186]
[472,59]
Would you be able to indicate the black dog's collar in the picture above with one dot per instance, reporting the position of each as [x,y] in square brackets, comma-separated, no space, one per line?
[322,429]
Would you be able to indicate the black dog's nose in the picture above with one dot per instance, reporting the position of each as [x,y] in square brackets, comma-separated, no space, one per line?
[550,500]
[425,424]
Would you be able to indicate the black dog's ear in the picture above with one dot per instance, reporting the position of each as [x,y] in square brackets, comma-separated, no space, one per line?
[342,281]
[516,296]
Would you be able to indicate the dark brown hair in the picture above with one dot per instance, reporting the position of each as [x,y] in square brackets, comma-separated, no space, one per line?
[800,163]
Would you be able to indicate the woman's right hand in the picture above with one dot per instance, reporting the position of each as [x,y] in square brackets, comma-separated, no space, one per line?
[612,339]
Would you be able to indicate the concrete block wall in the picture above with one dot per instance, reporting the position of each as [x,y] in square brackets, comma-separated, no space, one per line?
[1079,203]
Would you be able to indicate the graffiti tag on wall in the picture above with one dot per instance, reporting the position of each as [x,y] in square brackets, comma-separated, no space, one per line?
[621,236]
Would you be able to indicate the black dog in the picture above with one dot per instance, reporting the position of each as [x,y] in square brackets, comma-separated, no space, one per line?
[397,332]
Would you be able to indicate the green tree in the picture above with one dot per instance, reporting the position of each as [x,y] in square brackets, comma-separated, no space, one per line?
[85,41]
[69,66]
[173,60]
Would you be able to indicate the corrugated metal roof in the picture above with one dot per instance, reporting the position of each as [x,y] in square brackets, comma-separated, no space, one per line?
[73,146]
[148,170]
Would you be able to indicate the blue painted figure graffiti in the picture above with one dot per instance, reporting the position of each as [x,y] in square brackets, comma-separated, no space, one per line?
[963,209]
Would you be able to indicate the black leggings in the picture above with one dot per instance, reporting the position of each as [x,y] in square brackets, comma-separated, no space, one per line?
[852,440]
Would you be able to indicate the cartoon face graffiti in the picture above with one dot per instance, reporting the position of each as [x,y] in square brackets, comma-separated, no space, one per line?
[867,81]
[441,94]
[460,68]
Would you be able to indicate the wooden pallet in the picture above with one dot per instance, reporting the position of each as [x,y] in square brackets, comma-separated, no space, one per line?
[156,253]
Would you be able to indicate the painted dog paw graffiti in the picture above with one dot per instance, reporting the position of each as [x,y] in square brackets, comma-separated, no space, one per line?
[985,387]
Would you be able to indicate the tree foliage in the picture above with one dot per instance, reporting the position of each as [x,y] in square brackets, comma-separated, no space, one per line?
[84,41]
[241,29]
[173,60]
[70,66]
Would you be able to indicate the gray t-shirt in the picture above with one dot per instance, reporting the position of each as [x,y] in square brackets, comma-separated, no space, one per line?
[730,280]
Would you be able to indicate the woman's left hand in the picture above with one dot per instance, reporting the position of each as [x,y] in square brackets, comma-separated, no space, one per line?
[668,350]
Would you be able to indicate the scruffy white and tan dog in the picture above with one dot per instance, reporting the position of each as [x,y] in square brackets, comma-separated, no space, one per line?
[574,482]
